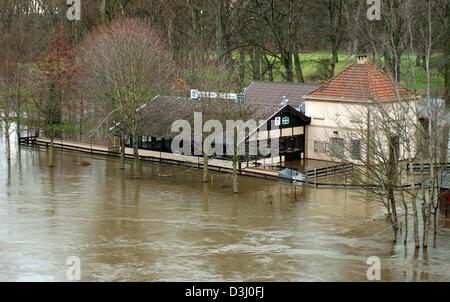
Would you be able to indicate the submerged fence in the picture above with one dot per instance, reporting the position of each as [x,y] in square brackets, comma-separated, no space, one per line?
[327,171]
[311,177]
[33,141]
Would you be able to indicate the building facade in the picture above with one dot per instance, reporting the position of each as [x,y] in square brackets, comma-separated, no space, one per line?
[344,112]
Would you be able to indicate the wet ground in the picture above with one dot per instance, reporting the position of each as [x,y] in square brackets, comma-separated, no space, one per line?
[169,226]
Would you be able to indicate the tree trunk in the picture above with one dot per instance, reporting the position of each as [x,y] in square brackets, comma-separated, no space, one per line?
[219,30]
[135,155]
[436,205]
[50,150]
[298,68]
[235,176]
[18,124]
[269,68]
[435,221]
[394,221]
[8,145]
[102,11]
[271,79]
[418,63]
[426,218]
[222,36]
[81,119]
[426,227]
[394,216]
[387,62]
[396,69]
[256,64]
[122,151]
[405,205]
[416,223]
[235,164]
[287,63]
[334,60]
[242,66]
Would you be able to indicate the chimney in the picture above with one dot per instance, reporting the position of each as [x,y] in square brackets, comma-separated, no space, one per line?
[361,59]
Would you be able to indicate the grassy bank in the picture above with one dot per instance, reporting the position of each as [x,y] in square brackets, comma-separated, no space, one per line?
[410,73]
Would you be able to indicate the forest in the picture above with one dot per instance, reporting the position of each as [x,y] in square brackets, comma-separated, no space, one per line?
[274,40]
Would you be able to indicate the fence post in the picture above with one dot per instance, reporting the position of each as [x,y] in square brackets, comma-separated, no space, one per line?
[315,178]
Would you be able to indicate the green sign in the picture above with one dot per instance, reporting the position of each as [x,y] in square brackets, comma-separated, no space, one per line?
[285,120]
[241,97]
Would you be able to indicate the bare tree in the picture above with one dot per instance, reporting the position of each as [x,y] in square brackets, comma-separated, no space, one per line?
[282,22]
[7,117]
[54,77]
[125,65]
[209,76]
[375,136]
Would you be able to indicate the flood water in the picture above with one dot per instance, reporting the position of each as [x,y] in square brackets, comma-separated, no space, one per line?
[169,226]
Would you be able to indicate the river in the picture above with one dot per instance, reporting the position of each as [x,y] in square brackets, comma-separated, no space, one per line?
[169,226]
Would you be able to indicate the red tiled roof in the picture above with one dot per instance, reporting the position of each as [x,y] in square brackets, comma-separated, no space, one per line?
[361,82]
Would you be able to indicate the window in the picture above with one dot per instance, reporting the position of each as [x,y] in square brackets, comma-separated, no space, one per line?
[320,147]
[356,148]
[337,147]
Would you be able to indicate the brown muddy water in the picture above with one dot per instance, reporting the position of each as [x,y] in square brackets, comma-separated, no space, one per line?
[176,228]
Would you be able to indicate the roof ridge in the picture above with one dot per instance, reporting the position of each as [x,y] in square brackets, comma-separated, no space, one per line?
[283,83]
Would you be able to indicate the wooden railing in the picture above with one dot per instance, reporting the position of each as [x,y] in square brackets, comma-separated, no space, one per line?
[29,140]
[426,166]
[327,171]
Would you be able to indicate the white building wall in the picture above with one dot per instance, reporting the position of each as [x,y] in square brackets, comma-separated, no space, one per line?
[328,120]
[335,120]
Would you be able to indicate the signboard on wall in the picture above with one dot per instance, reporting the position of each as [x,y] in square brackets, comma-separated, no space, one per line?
[277,121]
[241,97]
[195,95]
